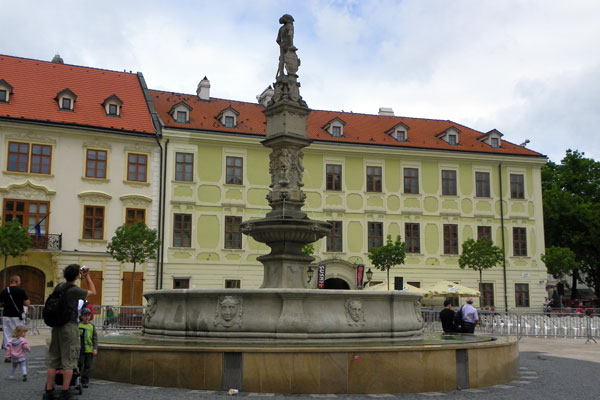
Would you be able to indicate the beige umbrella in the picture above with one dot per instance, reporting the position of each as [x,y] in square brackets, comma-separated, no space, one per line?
[406,288]
[447,288]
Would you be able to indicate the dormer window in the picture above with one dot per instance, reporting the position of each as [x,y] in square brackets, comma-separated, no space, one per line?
[181,113]
[112,106]
[450,136]
[493,138]
[335,128]
[5,91]
[228,117]
[66,100]
[399,132]
[66,103]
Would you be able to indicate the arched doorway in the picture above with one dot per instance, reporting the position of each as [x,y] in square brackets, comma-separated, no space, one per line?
[336,283]
[32,280]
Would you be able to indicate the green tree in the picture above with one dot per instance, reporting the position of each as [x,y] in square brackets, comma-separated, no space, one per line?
[388,256]
[14,241]
[479,254]
[560,262]
[134,244]
[571,198]
[308,249]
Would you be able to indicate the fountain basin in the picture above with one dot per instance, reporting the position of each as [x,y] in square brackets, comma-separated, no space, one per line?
[282,314]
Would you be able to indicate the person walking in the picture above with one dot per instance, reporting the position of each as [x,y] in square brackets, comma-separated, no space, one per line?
[469,317]
[13,298]
[447,317]
[65,343]
[16,350]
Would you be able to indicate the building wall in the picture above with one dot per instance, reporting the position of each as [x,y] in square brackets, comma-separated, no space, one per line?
[209,200]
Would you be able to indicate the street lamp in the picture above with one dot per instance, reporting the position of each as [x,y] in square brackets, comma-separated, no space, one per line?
[309,274]
[369,275]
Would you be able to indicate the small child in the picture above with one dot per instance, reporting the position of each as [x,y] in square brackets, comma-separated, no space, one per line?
[16,349]
[89,346]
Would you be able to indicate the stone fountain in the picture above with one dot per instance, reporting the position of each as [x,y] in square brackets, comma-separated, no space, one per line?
[284,337]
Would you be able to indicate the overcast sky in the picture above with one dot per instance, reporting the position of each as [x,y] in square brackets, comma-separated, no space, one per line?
[529,68]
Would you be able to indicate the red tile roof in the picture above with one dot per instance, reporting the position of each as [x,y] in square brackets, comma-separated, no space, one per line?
[359,128]
[36,83]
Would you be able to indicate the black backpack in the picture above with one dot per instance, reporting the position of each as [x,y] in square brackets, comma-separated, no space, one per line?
[458,318]
[56,312]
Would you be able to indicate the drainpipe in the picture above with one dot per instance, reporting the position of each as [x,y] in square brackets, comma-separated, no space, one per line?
[503,241]
[162,239]
[160,225]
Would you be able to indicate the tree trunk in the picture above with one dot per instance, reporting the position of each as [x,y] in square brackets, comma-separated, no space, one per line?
[388,279]
[133,284]
[480,291]
[574,286]
[5,269]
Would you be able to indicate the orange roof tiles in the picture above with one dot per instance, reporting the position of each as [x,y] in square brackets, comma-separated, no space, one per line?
[359,128]
[36,83]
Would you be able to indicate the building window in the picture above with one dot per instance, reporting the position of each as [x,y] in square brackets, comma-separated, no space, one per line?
[184,166]
[133,215]
[484,232]
[182,230]
[233,233]
[336,131]
[495,142]
[229,121]
[334,239]
[28,213]
[482,184]
[233,283]
[137,165]
[181,117]
[113,109]
[373,179]
[517,186]
[93,222]
[3,96]
[234,171]
[413,240]
[519,242]
[181,283]
[448,183]
[375,235]
[399,135]
[487,294]
[65,103]
[450,239]
[411,180]
[452,140]
[333,177]
[19,158]
[522,294]
[95,164]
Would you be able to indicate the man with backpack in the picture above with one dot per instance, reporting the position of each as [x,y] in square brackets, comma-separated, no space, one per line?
[65,342]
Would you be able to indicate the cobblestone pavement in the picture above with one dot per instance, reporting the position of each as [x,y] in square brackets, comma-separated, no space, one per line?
[544,375]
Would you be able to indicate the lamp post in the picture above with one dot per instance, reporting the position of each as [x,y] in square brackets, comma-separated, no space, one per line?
[369,274]
[309,274]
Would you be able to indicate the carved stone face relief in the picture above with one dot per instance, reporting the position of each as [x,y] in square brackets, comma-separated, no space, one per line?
[150,309]
[229,311]
[355,315]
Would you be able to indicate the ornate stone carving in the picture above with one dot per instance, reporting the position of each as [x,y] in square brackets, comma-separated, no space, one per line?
[31,137]
[94,196]
[355,315]
[150,309]
[28,190]
[229,311]
[134,200]
[418,311]
[286,168]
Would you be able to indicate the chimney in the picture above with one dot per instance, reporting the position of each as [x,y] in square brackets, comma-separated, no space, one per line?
[203,90]
[387,111]
[57,59]
[265,97]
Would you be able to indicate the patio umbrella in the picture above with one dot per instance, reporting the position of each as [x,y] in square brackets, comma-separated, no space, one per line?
[406,288]
[447,288]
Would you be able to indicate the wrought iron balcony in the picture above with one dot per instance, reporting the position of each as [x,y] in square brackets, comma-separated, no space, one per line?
[47,242]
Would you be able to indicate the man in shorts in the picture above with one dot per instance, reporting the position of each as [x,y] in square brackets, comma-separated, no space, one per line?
[65,342]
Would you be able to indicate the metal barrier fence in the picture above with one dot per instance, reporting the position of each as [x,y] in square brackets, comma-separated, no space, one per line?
[527,324]
[106,318]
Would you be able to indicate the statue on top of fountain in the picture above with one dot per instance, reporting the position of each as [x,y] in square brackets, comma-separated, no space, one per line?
[287,86]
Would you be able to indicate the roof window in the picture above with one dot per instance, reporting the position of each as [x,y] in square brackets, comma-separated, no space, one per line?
[112,106]
[66,100]
[493,138]
[180,113]
[335,128]
[450,136]
[399,132]
[5,91]
[228,117]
